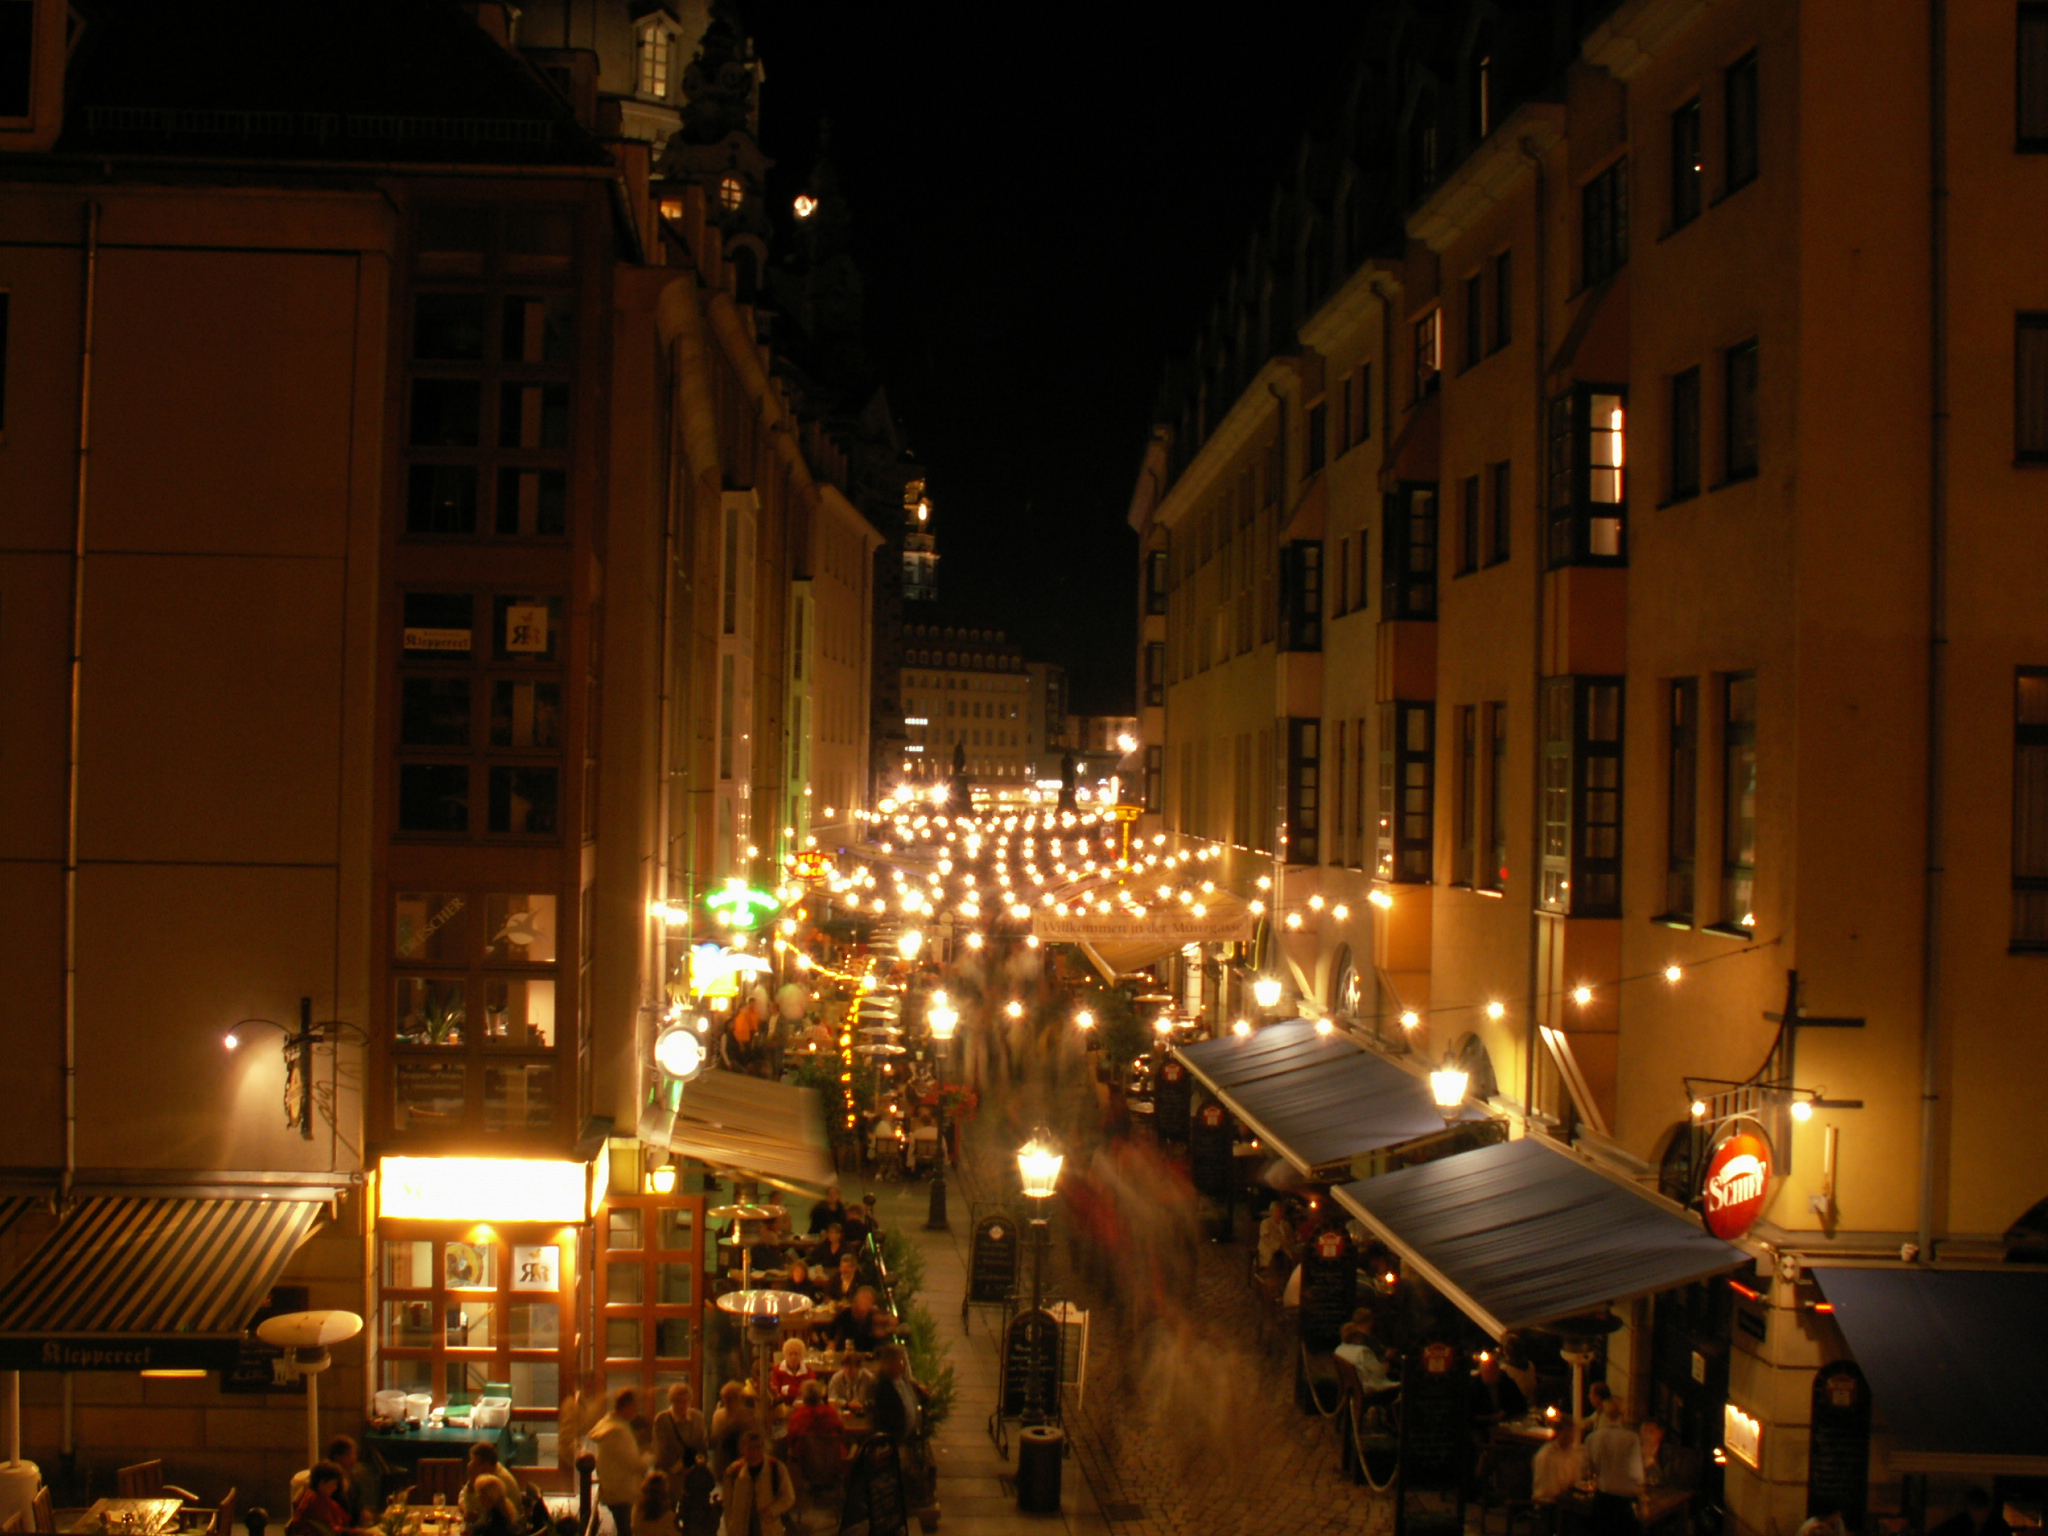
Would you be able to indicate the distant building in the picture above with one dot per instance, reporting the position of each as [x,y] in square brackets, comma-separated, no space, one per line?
[964,688]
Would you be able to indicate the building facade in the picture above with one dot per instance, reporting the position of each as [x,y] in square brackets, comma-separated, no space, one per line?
[488,599]
[1568,544]
[965,689]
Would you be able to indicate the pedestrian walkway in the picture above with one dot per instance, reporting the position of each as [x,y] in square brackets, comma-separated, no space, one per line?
[976,1494]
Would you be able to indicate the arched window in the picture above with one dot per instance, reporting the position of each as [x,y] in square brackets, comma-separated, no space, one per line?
[657,59]
[1345,987]
[1472,1056]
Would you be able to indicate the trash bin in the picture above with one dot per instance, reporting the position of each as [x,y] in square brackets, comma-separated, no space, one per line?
[1040,1449]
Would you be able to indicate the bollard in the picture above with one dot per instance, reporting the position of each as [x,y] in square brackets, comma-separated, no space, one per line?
[1040,1450]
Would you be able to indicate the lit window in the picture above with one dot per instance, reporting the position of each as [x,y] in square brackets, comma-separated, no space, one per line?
[656,51]
[730,193]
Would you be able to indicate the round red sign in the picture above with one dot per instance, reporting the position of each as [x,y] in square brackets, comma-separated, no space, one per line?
[1738,1181]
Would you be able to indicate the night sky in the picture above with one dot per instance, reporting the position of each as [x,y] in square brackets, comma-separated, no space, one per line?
[1042,216]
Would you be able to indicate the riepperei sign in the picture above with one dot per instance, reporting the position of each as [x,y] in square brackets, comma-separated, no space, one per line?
[1738,1182]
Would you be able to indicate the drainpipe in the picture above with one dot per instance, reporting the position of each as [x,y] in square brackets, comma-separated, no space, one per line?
[1937,611]
[1539,551]
[84,458]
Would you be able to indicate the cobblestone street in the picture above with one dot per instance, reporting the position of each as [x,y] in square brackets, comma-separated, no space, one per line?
[1186,1424]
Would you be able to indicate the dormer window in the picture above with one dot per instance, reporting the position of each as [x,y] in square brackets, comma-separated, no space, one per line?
[657,59]
[731,193]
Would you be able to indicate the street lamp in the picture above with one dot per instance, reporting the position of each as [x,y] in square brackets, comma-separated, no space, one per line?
[1266,991]
[943,1020]
[1038,1171]
[1447,1086]
[910,943]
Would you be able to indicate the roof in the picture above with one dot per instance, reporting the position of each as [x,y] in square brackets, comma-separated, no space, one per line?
[1317,1099]
[376,80]
[1522,1233]
[121,1274]
[1957,1360]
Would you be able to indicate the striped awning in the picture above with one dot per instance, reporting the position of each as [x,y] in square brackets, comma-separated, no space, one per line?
[126,1284]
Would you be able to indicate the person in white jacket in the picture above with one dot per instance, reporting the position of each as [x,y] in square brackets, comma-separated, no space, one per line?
[621,1465]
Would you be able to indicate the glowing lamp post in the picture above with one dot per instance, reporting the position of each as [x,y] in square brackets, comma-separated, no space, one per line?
[910,943]
[1038,1172]
[943,1020]
[1266,991]
[1447,1086]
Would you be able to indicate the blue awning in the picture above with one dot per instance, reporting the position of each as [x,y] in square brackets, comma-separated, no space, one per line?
[1957,1360]
[1523,1232]
[1316,1099]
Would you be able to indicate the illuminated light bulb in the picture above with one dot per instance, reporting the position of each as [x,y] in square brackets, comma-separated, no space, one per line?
[1294,920]
[1257,908]
[1085,1019]
[974,941]
[1582,995]
[1241,1027]
[1410,1019]
[805,206]
[1014,1009]
[231,1040]
[1699,1109]
[1162,1025]
[1324,1026]
[1341,913]
[1315,903]
[1381,899]
[1801,1110]
[1031,942]
[1266,991]
[1496,1011]
[1672,973]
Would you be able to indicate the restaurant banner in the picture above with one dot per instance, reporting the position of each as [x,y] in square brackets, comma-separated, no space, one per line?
[1179,927]
[1172,1100]
[1209,1152]
[1329,1288]
[117,1352]
[1436,1419]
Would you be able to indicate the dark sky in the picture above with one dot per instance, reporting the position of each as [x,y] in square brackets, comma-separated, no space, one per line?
[1045,200]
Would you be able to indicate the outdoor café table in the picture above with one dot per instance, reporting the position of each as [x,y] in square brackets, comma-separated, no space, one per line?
[117,1517]
[405,1450]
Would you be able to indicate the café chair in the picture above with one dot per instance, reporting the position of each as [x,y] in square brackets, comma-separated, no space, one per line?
[15,1524]
[218,1521]
[43,1513]
[145,1480]
[437,1474]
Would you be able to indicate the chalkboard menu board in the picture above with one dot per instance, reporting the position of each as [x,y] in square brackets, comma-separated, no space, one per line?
[1436,1431]
[256,1367]
[1172,1100]
[1209,1151]
[992,1259]
[1329,1288]
[1838,1453]
[1031,1348]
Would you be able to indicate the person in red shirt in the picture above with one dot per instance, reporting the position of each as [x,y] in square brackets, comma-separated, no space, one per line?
[319,1510]
[790,1373]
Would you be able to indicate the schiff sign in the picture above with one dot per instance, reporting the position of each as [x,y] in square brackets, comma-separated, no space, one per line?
[1737,1183]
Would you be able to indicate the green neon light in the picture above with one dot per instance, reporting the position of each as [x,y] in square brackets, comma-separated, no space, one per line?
[742,906]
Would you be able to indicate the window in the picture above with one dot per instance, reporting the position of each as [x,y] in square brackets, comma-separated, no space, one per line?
[1681,813]
[1407,792]
[1588,484]
[1475,319]
[1465,852]
[2030,810]
[1155,778]
[1338,781]
[1468,525]
[490,361]
[2030,387]
[1363,395]
[1408,561]
[1359,589]
[1340,592]
[1738,801]
[17,56]
[1356,856]
[1304,789]
[1742,448]
[474,990]
[1688,170]
[1740,96]
[1301,596]
[493,709]
[1156,568]
[1155,672]
[2031,57]
[4,298]
[1685,434]
[1493,875]
[1581,792]
[657,52]
[1603,223]
[1428,354]
[649,1302]
[1503,299]
[1500,511]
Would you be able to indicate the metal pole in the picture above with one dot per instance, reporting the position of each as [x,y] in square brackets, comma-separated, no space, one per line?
[935,1217]
[1034,1403]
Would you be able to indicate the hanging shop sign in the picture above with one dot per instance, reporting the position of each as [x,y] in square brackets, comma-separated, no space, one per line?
[1181,927]
[814,866]
[739,905]
[1737,1184]
[536,1267]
